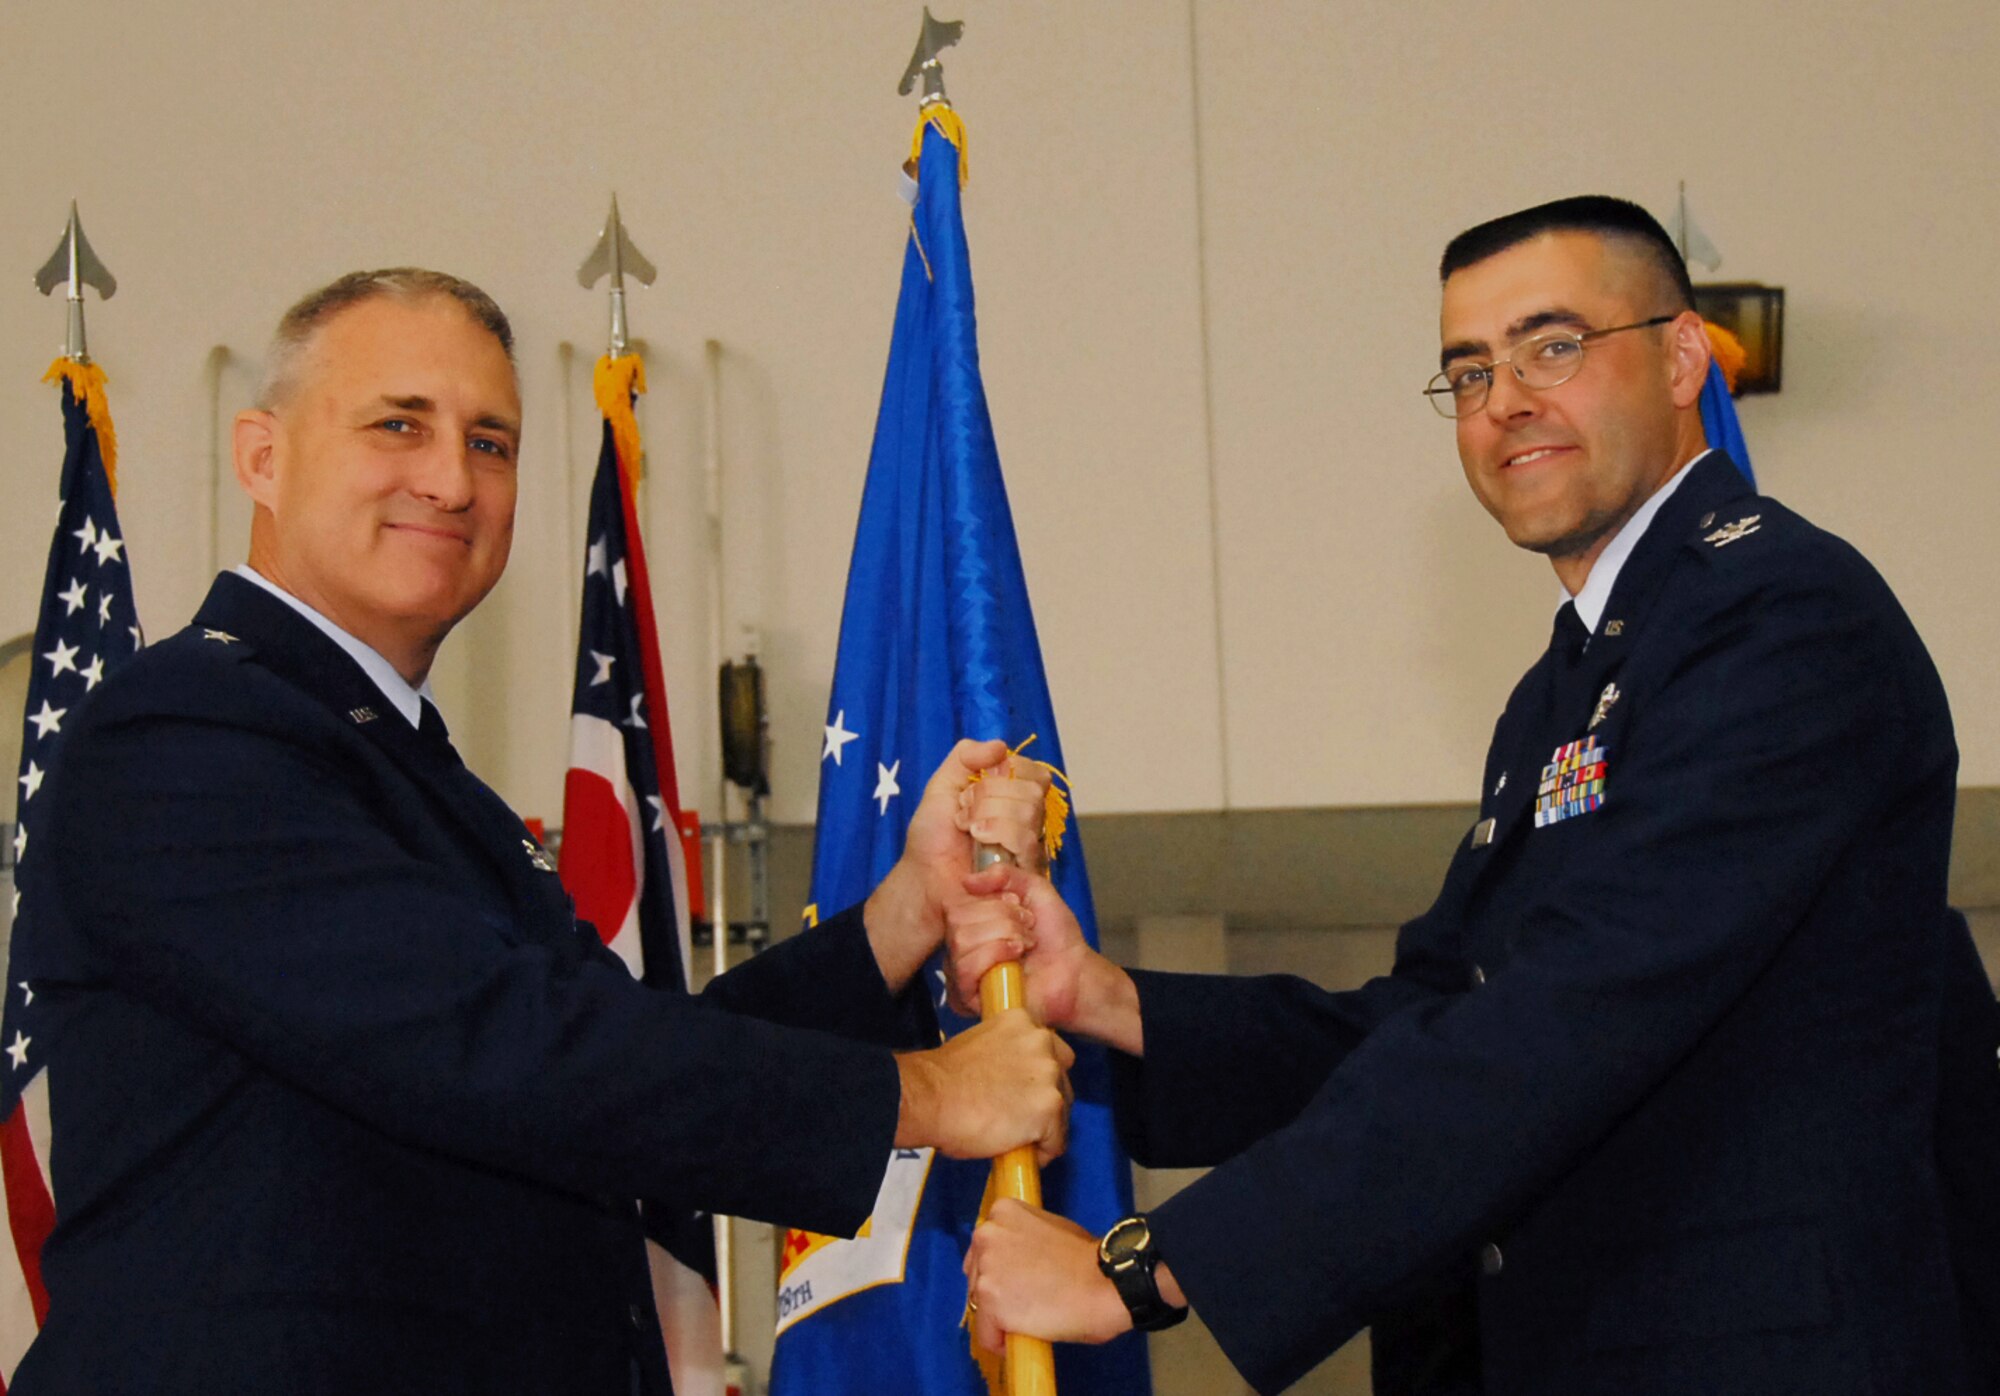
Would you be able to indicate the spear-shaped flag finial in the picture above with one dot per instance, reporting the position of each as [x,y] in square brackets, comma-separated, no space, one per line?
[1693,242]
[937,36]
[76,263]
[615,256]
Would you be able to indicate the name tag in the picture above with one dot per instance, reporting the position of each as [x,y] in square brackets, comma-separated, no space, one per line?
[1482,833]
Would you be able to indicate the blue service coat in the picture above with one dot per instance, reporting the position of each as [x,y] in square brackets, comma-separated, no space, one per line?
[1650,1096]
[343,1096]
[1968,1146]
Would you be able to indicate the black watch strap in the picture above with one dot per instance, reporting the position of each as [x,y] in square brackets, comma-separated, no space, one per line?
[1128,1258]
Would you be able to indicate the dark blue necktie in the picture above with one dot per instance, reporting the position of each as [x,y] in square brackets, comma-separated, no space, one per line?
[431,724]
[1569,635]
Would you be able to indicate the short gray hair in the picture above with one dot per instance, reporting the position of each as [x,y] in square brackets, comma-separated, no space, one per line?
[298,325]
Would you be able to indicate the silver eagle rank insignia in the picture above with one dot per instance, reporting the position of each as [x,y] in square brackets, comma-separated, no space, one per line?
[1730,532]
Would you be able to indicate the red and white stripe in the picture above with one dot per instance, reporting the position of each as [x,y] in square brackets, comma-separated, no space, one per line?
[31,1216]
[604,868]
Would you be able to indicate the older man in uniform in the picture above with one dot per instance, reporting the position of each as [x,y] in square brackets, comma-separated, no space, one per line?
[344,1097]
[1650,1102]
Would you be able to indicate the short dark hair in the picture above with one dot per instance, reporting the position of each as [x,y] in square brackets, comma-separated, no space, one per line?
[297,326]
[1600,214]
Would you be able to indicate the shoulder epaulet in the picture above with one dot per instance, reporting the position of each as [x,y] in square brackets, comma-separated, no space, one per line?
[1745,528]
[1735,531]
[161,673]
[205,641]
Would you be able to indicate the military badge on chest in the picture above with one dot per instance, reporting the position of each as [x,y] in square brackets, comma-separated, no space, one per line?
[1572,783]
[538,856]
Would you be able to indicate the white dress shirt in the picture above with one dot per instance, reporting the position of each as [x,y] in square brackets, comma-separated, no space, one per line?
[1604,572]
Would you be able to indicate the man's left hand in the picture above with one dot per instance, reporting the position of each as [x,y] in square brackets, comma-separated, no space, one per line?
[905,915]
[1033,1272]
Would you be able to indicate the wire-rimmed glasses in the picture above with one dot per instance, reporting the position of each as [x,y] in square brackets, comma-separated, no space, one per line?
[1540,361]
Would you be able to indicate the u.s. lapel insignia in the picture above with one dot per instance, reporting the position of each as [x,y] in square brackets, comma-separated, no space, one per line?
[1614,628]
[538,855]
[360,715]
[221,637]
[1500,784]
[1604,702]
[1730,532]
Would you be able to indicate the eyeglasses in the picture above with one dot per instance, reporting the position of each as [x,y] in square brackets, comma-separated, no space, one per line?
[1541,361]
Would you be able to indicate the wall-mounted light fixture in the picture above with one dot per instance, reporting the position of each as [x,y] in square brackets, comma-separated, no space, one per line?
[1755,314]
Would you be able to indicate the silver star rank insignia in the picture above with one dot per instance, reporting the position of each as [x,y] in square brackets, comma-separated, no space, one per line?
[538,855]
[221,637]
[1604,702]
[1729,533]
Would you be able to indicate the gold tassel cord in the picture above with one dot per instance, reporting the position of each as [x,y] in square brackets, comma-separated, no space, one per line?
[615,383]
[949,125]
[86,384]
[1729,352]
[1055,808]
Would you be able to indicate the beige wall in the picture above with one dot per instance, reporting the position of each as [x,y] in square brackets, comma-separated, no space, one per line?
[1203,238]
[1834,149]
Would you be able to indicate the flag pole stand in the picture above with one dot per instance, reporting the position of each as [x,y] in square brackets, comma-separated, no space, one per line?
[742,726]
[742,719]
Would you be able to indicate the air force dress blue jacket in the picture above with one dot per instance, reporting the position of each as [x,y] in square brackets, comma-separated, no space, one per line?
[1657,1078]
[344,1098]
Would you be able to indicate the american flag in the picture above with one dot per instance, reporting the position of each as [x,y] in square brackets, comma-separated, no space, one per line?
[629,853]
[88,627]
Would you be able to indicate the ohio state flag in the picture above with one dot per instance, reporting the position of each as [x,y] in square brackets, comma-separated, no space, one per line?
[629,856]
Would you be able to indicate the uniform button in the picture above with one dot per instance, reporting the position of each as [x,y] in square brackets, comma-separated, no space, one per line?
[1478,975]
[1490,1259]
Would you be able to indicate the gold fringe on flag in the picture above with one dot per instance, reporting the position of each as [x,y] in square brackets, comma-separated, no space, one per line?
[86,384]
[949,125]
[1730,355]
[1055,822]
[615,383]
[1055,804]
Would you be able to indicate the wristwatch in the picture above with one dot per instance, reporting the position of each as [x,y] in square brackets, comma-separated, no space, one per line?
[1128,1258]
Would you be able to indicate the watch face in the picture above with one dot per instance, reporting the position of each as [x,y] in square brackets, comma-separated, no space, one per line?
[1126,1241]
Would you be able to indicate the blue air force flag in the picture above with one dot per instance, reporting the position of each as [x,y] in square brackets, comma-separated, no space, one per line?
[937,642]
[1719,421]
